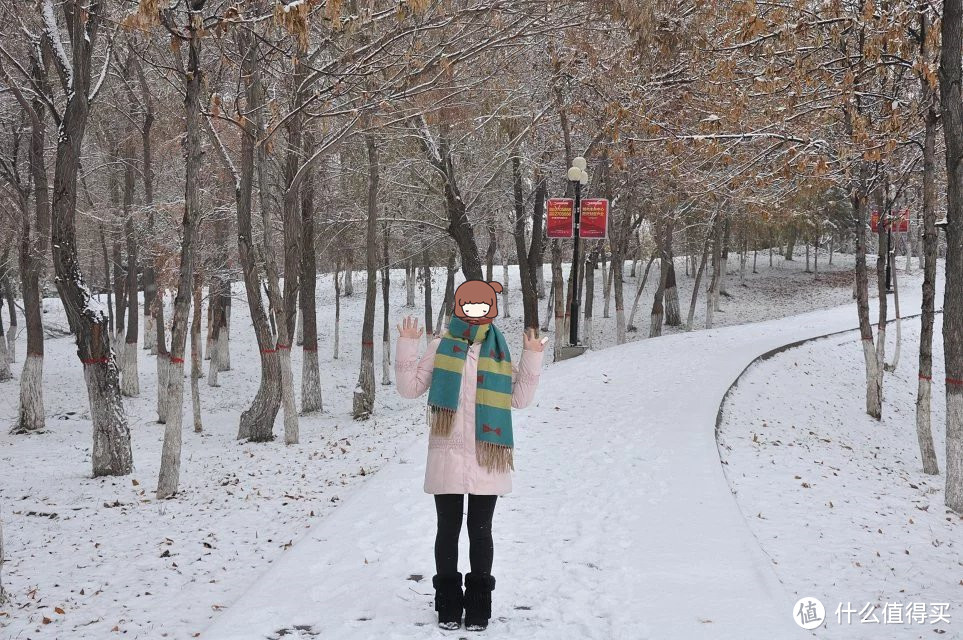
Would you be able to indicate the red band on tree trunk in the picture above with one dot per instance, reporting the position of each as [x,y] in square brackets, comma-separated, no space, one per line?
[177,360]
[269,350]
[922,377]
[956,382]
[366,343]
[283,347]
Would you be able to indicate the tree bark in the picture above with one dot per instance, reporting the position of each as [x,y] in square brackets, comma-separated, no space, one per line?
[385,306]
[33,257]
[169,478]
[364,393]
[924,431]
[129,381]
[310,369]
[196,360]
[426,272]
[111,453]
[952,106]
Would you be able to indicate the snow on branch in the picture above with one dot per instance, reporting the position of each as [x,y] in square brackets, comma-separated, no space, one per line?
[52,32]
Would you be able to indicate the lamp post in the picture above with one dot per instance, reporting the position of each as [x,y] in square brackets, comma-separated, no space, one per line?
[579,177]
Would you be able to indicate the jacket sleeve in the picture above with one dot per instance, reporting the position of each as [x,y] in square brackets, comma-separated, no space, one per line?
[525,378]
[413,375]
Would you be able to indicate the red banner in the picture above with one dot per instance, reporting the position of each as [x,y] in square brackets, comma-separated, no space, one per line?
[560,219]
[593,221]
[900,221]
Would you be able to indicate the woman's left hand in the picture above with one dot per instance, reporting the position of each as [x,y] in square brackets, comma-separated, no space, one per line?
[531,341]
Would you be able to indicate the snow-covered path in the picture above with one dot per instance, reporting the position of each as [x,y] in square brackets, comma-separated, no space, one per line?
[621,523]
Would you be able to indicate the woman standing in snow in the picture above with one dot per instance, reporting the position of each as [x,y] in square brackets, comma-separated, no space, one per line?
[472,387]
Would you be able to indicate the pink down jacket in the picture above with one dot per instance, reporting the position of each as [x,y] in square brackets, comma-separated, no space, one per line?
[451,466]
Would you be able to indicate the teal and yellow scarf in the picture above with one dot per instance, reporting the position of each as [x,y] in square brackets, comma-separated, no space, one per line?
[493,397]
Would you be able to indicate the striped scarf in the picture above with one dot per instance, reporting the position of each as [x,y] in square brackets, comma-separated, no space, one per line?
[493,397]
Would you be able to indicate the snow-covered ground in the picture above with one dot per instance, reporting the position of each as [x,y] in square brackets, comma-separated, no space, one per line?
[839,500]
[109,556]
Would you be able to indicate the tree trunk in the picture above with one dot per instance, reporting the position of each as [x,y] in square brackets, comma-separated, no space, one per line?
[310,369]
[33,257]
[528,255]
[364,392]
[426,271]
[337,309]
[257,421]
[873,382]
[690,321]
[638,294]
[712,294]
[196,360]
[952,104]
[448,302]
[163,360]
[169,478]
[558,299]
[410,278]
[490,254]
[590,265]
[386,306]
[924,431]
[129,381]
[111,453]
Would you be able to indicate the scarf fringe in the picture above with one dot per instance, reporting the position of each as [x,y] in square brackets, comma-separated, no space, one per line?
[440,420]
[494,457]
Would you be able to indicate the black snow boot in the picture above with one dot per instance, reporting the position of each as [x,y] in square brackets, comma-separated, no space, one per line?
[478,600]
[449,600]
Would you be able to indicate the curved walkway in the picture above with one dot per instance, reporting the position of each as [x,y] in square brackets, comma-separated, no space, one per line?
[621,523]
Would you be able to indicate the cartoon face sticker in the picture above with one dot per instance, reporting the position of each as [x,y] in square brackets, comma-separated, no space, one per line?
[477,299]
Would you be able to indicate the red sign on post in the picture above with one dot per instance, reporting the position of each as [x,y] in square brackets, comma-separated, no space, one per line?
[560,219]
[594,218]
[900,222]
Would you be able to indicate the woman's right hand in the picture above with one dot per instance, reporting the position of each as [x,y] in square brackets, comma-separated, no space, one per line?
[409,328]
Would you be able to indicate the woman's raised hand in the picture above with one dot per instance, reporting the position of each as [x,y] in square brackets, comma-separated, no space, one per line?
[409,328]
[531,341]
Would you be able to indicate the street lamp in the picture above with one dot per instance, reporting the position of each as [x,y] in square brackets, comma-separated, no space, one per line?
[579,177]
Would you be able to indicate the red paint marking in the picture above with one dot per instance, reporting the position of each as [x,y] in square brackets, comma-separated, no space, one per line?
[367,343]
[922,377]
[177,360]
[956,382]
[284,347]
[455,349]
[269,350]
[481,378]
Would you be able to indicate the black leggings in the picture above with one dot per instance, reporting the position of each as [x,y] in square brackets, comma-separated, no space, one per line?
[481,548]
